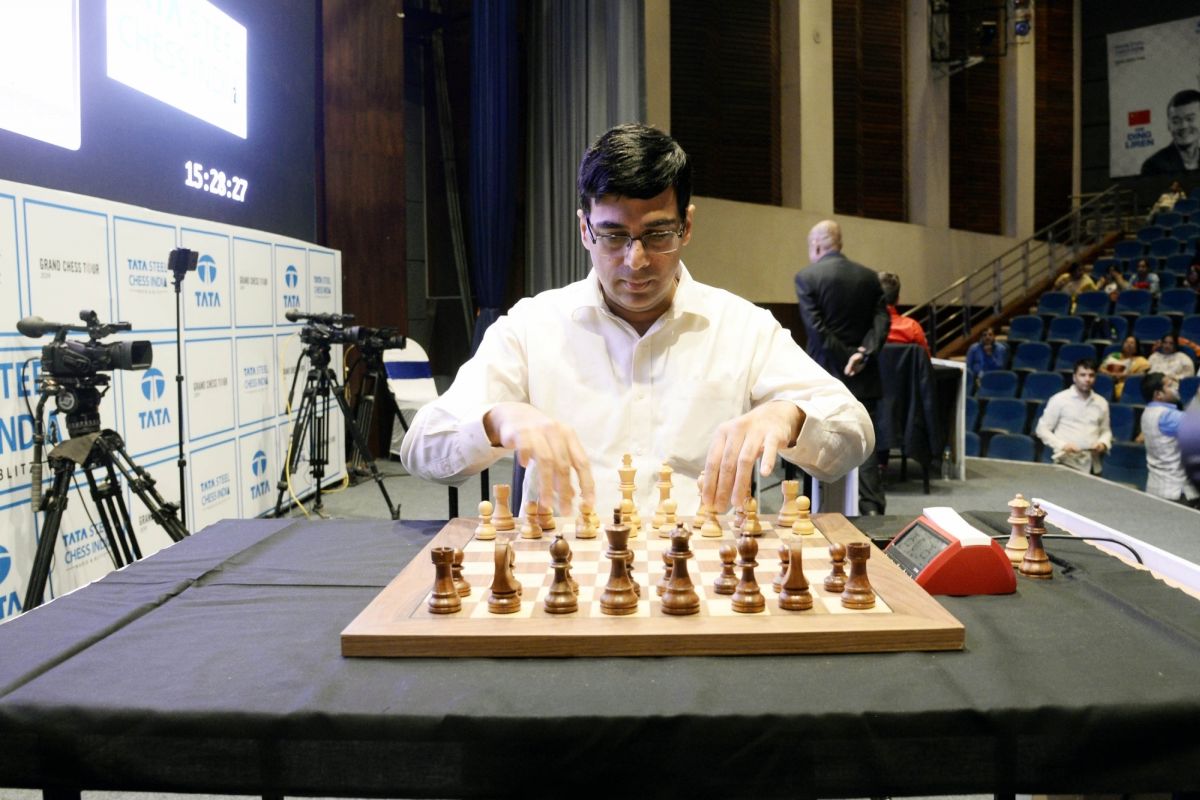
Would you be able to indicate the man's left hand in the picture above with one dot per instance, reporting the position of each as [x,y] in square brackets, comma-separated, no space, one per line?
[760,432]
[856,363]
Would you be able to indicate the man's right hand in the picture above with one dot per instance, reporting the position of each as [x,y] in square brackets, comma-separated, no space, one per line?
[534,436]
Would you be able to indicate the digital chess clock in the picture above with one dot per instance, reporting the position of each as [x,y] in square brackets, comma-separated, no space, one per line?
[945,554]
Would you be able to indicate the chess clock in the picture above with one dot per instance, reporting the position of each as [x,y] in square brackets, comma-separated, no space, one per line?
[945,554]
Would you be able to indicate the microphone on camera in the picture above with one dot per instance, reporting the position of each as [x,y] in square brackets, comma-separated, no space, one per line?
[320,319]
[36,327]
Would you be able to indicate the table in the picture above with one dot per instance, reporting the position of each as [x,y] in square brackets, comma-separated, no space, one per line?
[214,666]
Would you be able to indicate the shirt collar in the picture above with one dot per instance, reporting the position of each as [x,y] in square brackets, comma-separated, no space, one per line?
[689,298]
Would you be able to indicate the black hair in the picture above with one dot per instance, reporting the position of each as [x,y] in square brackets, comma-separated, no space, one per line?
[1183,98]
[1151,383]
[890,282]
[635,160]
[1086,363]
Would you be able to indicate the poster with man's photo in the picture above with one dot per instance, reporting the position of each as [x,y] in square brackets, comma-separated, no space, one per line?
[1154,99]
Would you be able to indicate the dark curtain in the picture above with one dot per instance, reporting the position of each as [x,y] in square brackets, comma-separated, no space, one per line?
[493,166]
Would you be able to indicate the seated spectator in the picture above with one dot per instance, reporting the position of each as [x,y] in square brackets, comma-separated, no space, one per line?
[986,354]
[1122,363]
[1167,200]
[1192,279]
[1160,432]
[1075,423]
[1168,360]
[903,330]
[1113,283]
[1143,278]
[1074,281]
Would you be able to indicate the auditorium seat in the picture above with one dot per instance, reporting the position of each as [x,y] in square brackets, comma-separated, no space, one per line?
[1186,233]
[1126,463]
[1177,304]
[1031,357]
[1186,206]
[1166,246]
[1178,263]
[1103,386]
[997,383]
[1187,389]
[1053,304]
[1129,248]
[1132,303]
[1151,327]
[1065,330]
[971,413]
[1011,447]
[1150,233]
[1189,328]
[972,443]
[1122,419]
[1041,386]
[1131,394]
[1168,219]
[1025,328]
[1091,306]
[1068,354]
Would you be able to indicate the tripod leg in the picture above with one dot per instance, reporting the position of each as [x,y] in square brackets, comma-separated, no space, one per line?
[318,442]
[292,459]
[117,545]
[142,484]
[360,442]
[55,504]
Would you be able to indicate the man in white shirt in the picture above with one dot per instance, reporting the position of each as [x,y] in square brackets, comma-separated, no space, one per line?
[1160,430]
[638,358]
[1075,423]
[1168,360]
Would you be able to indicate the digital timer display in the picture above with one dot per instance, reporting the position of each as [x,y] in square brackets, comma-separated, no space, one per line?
[214,181]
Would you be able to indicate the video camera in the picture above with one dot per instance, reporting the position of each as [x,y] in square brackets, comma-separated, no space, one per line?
[75,359]
[326,329]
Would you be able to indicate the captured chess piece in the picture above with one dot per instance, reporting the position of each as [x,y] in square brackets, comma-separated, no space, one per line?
[803,526]
[1036,564]
[858,592]
[747,598]
[444,599]
[787,511]
[1017,543]
[503,519]
[505,594]
[795,595]
[727,581]
[456,572]
[485,531]
[562,597]
[680,597]
[835,581]
[619,597]
[530,527]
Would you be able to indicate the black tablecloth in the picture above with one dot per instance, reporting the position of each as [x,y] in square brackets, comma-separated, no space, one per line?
[215,666]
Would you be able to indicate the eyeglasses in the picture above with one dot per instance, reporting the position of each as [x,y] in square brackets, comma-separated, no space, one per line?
[617,244]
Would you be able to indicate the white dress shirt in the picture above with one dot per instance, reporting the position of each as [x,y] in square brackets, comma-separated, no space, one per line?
[659,397]
[1071,418]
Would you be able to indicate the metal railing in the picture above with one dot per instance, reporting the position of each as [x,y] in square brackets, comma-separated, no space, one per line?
[953,315]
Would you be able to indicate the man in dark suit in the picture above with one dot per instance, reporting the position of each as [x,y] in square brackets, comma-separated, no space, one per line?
[846,322]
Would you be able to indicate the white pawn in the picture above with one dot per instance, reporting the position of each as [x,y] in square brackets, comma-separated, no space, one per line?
[803,525]
[485,531]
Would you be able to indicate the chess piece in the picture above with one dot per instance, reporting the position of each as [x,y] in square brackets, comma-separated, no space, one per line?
[803,526]
[858,592]
[628,489]
[505,594]
[444,599]
[727,581]
[739,517]
[1017,543]
[699,517]
[456,572]
[628,513]
[785,555]
[545,517]
[485,531]
[1036,563]
[619,597]
[835,581]
[585,525]
[561,599]
[661,586]
[787,511]
[503,519]
[670,506]
[664,494]
[680,597]
[710,528]
[794,595]
[747,598]
[530,527]
[751,524]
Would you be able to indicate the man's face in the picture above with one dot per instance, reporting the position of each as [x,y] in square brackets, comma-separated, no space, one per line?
[1167,345]
[1169,391]
[989,338]
[638,286]
[1085,379]
[1184,122]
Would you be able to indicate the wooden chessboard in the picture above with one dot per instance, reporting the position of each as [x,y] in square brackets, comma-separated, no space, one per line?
[397,623]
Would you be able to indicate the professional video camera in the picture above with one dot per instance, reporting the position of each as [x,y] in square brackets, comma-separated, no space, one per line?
[70,369]
[332,329]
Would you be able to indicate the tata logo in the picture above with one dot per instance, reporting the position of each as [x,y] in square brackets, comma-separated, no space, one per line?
[258,465]
[10,603]
[291,278]
[153,384]
[206,269]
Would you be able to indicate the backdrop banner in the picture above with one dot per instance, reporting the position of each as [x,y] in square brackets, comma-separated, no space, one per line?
[62,253]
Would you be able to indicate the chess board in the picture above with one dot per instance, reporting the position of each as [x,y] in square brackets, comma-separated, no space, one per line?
[398,621]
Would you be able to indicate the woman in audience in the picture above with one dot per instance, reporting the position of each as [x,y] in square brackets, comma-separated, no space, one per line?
[1122,363]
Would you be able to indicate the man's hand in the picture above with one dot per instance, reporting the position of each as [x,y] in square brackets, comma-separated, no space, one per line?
[534,436]
[1100,448]
[762,431]
[1070,448]
[856,363]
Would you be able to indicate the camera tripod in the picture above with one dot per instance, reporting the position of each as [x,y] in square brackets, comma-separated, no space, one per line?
[98,450]
[312,420]
[374,380]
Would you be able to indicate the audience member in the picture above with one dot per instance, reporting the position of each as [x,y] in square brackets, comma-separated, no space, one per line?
[1143,278]
[1122,363]
[1192,279]
[986,354]
[1160,432]
[903,330]
[846,322]
[1074,281]
[1075,423]
[1170,361]
[1167,200]
[1113,282]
